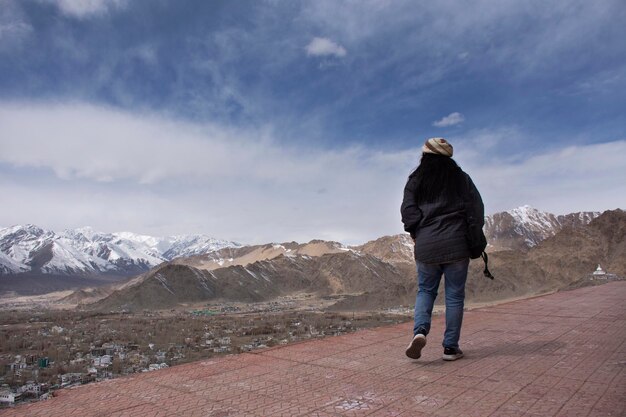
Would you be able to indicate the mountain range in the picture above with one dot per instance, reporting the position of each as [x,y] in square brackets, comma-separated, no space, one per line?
[380,273]
[530,252]
[85,252]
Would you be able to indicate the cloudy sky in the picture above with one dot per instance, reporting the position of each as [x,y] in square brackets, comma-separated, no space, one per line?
[278,120]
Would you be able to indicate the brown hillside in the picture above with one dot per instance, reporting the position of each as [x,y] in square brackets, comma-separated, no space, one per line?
[329,274]
[569,256]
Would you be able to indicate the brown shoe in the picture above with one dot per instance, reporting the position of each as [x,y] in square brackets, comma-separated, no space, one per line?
[414,350]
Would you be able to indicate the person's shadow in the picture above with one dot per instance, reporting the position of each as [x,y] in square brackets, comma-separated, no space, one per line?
[475,353]
[514,349]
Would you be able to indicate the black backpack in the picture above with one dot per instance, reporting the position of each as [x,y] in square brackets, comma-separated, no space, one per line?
[477,243]
[476,239]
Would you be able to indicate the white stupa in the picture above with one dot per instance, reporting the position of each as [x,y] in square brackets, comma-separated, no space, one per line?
[599,271]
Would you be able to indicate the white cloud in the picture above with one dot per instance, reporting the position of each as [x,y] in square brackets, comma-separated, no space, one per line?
[325,47]
[87,8]
[184,177]
[105,145]
[450,120]
[562,180]
[73,165]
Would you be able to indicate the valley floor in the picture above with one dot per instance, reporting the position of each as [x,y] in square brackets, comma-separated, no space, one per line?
[79,347]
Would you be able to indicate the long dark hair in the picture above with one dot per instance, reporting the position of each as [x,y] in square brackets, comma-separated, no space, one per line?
[438,176]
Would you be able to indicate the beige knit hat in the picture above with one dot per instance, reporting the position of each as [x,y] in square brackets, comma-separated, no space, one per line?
[438,146]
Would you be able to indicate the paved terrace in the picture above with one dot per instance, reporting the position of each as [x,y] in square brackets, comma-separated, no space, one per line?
[558,355]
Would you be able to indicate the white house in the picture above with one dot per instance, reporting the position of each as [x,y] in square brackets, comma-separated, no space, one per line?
[7,396]
[31,387]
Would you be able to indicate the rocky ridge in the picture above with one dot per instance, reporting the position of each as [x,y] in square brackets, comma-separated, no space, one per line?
[380,273]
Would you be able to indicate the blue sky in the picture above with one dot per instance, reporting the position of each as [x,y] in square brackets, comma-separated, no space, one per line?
[278,120]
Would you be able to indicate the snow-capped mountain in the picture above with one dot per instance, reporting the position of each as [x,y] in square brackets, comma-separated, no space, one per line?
[520,228]
[524,227]
[85,251]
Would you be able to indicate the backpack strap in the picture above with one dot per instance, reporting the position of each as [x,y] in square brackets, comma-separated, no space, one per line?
[486,272]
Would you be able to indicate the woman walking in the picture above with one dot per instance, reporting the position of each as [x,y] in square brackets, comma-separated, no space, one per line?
[439,202]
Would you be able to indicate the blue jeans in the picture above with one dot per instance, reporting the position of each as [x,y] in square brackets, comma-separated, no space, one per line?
[429,276]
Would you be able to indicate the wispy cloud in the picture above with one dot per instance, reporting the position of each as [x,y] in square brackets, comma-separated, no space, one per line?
[87,8]
[13,25]
[11,30]
[390,60]
[441,33]
[325,47]
[450,120]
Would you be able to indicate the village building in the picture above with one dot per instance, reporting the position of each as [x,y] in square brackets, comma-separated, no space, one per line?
[102,361]
[157,366]
[9,397]
[161,356]
[32,387]
[71,378]
[221,349]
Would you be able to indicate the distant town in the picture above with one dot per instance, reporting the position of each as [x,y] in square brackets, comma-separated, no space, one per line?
[43,351]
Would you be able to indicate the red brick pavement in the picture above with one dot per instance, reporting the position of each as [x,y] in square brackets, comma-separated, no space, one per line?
[562,354]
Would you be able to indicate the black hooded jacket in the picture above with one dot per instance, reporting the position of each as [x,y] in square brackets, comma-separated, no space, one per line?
[440,228]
